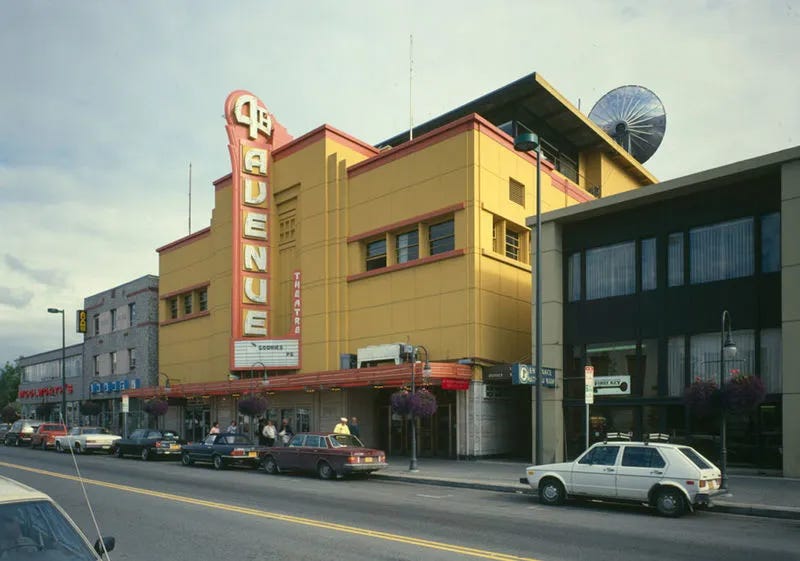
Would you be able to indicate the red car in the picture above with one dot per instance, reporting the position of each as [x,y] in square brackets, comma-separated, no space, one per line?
[329,455]
[45,435]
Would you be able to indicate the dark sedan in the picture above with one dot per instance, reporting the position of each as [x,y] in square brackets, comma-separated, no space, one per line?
[329,455]
[222,450]
[149,444]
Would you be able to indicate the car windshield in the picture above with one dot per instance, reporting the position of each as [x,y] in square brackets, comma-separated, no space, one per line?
[696,458]
[345,441]
[38,530]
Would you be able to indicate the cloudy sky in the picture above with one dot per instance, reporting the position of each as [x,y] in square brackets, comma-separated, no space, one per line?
[103,105]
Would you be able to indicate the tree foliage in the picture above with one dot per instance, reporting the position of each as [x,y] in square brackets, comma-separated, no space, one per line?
[10,376]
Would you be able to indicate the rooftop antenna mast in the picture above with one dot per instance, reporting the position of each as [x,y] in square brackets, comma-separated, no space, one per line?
[410,91]
[190,197]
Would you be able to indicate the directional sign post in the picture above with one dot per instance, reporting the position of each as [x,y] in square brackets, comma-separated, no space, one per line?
[588,395]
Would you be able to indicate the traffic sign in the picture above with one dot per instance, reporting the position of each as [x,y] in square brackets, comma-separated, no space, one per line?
[588,375]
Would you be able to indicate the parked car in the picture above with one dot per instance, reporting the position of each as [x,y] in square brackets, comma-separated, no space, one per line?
[20,432]
[149,444]
[45,435]
[329,455]
[40,529]
[671,477]
[221,450]
[4,429]
[86,439]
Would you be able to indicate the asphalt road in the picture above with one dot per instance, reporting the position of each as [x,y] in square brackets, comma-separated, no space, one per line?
[162,510]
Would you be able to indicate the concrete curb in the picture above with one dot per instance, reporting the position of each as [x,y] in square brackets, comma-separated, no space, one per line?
[764,511]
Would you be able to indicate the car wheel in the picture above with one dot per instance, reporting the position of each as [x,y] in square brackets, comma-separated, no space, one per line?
[551,492]
[218,463]
[271,466]
[670,502]
[145,454]
[325,471]
[78,449]
[118,452]
[186,459]
[58,447]
[16,441]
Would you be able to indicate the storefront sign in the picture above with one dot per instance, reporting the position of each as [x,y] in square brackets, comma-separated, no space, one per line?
[612,385]
[252,135]
[267,353]
[80,321]
[454,384]
[526,374]
[497,373]
[42,392]
[115,386]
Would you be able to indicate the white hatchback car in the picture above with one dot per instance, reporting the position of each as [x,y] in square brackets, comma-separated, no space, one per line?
[33,527]
[670,477]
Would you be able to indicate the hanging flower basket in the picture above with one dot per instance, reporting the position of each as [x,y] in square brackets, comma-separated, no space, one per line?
[702,398]
[90,408]
[155,407]
[423,403]
[401,402]
[252,406]
[743,393]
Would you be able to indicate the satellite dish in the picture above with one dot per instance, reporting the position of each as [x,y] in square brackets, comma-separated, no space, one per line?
[634,117]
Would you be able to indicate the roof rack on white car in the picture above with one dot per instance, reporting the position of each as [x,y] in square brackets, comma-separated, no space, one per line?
[618,436]
[656,437]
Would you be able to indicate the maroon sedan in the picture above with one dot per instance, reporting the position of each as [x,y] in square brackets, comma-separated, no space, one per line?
[329,455]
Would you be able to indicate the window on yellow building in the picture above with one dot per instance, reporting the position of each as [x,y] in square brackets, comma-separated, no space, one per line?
[202,298]
[172,304]
[407,245]
[376,254]
[442,237]
[516,192]
[512,244]
[187,303]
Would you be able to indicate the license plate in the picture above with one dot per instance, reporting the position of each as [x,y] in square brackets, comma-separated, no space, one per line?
[173,446]
[368,460]
[253,454]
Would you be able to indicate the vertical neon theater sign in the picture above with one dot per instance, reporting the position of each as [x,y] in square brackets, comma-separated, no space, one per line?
[252,135]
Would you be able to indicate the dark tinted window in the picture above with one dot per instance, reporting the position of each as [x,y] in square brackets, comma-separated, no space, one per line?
[642,456]
[601,455]
[297,440]
[139,433]
[695,457]
[313,441]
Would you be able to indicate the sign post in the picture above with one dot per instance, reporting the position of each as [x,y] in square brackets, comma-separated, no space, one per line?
[125,409]
[588,395]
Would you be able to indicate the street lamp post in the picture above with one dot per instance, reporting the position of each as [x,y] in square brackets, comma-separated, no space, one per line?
[524,143]
[426,369]
[727,351]
[63,363]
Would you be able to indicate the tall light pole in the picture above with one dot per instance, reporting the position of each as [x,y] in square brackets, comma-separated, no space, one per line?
[727,351]
[63,363]
[526,142]
[426,370]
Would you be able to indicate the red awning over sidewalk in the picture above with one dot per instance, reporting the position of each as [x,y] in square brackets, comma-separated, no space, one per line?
[392,375]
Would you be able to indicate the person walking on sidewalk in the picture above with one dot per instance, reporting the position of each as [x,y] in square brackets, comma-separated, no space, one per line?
[233,428]
[269,433]
[285,433]
[214,428]
[341,427]
[353,426]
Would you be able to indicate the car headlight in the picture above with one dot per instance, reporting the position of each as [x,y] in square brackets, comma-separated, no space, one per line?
[530,471]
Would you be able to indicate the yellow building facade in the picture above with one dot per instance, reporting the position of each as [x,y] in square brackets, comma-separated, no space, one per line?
[323,245]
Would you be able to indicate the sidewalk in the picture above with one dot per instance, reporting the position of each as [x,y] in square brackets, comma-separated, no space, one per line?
[755,495]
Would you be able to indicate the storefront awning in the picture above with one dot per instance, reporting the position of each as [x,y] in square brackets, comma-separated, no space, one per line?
[391,375]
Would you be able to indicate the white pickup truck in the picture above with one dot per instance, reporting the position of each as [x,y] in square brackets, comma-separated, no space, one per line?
[86,439]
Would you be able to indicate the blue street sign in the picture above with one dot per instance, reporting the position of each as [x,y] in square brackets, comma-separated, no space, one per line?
[526,374]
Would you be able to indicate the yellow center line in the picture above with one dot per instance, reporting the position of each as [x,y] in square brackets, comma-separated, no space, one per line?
[453,548]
